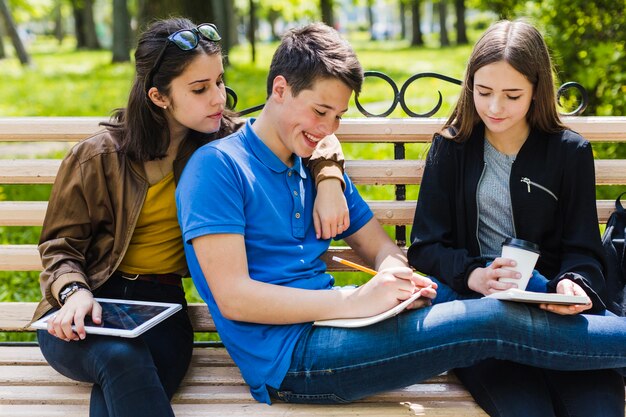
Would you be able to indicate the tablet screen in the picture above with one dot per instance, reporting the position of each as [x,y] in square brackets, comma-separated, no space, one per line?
[126,318]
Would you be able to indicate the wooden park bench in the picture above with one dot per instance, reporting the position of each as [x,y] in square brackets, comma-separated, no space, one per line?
[213,385]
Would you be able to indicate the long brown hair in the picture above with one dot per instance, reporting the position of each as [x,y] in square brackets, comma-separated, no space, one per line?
[520,45]
[141,126]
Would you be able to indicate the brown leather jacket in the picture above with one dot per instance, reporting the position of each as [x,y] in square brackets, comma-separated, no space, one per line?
[94,205]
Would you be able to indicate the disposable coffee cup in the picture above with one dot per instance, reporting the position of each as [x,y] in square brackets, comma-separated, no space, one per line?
[525,254]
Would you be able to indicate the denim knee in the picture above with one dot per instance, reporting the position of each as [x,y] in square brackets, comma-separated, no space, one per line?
[122,356]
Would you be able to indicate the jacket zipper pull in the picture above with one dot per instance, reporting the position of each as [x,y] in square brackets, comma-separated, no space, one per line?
[527,181]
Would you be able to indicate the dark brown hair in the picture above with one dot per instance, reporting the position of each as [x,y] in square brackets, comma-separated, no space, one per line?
[141,127]
[313,52]
[520,45]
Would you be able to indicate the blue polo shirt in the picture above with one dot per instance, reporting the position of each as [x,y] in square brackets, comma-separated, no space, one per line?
[238,185]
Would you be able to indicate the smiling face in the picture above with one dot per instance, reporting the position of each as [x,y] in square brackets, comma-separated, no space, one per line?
[198,96]
[502,97]
[308,117]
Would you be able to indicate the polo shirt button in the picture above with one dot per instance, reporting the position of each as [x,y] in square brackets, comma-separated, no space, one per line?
[289,173]
[297,215]
[295,193]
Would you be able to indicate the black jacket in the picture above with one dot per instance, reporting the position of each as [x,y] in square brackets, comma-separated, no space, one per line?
[552,186]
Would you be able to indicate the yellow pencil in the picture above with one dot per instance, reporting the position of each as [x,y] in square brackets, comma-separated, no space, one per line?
[354,265]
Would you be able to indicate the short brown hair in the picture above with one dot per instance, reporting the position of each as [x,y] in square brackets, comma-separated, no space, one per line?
[313,52]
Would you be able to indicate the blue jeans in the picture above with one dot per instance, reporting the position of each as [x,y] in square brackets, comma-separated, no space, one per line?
[131,377]
[336,365]
[505,388]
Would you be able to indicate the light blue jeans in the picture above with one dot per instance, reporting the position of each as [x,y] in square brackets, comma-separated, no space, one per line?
[336,365]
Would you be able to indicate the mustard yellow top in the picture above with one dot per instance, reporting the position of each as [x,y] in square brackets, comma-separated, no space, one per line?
[157,244]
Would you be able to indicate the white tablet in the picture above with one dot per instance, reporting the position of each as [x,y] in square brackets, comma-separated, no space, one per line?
[515,294]
[125,318]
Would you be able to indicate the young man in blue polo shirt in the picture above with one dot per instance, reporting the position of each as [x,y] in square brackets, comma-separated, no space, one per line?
[245,204]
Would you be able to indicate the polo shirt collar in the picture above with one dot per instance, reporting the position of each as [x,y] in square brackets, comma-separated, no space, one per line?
[266,156]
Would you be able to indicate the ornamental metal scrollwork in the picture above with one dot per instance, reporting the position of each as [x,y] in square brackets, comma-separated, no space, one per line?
[415,77]
[394,87]
[584,98]
[400,96]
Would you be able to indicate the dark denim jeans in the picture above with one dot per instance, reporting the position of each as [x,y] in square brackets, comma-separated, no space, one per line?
[131,377]
[508,389]
[335,365]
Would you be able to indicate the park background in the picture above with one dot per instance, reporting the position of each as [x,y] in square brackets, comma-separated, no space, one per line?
[74,58]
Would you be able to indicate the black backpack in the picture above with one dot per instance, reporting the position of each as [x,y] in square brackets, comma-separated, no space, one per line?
[614,248]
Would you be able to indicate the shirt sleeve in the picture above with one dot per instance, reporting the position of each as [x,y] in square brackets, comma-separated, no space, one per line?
[582,252]
[327,161]
[66,234]
[433,235]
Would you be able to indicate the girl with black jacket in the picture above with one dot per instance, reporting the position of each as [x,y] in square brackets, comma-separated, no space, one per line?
[505,166]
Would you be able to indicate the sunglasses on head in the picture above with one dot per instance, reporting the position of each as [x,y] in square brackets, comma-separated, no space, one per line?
[185,40]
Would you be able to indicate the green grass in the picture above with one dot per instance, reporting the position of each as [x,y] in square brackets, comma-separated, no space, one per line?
[64,82]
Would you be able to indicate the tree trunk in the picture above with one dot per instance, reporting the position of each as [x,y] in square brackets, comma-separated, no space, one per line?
[121,31]
[402,19]
[252,30]
[78,25]
[328,17]
[224,13]
[86,37]
[3,53]
[91,37]
[416,23]
[461,29]
[15,37]
[443,30]
[150,10]
[370,19]
[272,18]
[59,33]
[199,11]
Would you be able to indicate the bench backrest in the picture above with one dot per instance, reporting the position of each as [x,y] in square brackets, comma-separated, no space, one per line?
[399,134]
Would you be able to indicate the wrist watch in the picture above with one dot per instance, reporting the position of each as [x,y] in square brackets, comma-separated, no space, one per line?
[70,289]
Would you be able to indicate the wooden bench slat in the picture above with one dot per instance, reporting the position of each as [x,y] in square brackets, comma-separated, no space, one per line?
[28,171]
[593,128]
[62,394]
[393,213]
[26,258]
[375,172]
[426,408]
[15,316]
[22,213]
[43,171]
[20,375]
[32,213]
[32,356]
